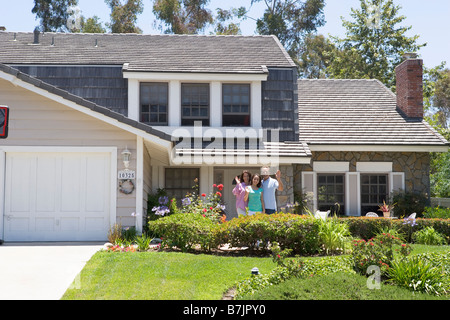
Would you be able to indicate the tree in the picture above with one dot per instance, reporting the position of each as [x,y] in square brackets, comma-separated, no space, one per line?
[124,16]
[53,14]
[291,21]
[374,43]
[92,25]
[182,16]
[232,28]
[313,57]
[441,98]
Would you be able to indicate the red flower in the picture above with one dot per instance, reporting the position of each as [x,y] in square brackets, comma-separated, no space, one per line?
[204,210]
[220,187]
[214,185]
[210,208]
[203,195]
[218,193]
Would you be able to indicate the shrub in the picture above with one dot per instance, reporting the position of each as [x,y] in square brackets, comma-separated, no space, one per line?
[184,230]
[418,275]
[378,251]
[437,212]
[291,231]
[428,236]
[408,202]
[333,235]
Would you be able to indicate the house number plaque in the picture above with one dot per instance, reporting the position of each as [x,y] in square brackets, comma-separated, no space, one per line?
[126,174]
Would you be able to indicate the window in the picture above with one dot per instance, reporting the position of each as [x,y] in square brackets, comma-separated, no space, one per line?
[154,97]
[374,189]
[331,194]
[194,103]
[236,105]
[179,181]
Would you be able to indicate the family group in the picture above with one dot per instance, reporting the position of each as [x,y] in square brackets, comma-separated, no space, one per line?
[256,193]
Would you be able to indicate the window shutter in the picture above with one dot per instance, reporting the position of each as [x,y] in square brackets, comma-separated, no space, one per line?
[397,181]
[309,190]
[352,194]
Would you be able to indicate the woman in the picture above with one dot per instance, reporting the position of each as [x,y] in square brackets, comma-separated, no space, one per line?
[254,195]
[239,191]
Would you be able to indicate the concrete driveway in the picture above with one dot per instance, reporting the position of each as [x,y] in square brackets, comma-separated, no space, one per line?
[42,271]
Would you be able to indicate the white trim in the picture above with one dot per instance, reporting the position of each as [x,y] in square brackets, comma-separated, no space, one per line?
[331,166]
[38,149]
[215,104]
[371,166]
[347,193]
[134,88]
[174,103]
[2,189]
[378,148]
[255,104]
[139,183]
[314,177]
[188,76]
[391,180]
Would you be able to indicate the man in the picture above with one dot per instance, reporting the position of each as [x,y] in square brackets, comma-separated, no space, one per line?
[270,185]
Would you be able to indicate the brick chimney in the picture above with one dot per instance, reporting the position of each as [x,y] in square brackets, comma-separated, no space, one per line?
[409,86]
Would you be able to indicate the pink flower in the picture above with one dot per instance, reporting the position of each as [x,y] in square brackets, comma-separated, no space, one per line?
[203,195]
[204,210]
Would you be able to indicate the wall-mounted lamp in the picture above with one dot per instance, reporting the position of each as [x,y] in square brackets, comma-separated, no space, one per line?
[126,154]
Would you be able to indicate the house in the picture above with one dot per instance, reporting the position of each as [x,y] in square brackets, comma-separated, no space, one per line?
[97,122]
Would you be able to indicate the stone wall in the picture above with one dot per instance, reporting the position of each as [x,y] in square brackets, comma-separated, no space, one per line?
[416,166]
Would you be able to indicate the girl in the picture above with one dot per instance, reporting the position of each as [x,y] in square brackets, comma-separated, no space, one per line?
[239,191]
[254,196]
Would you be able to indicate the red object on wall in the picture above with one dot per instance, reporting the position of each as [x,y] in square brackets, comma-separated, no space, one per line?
[4,116]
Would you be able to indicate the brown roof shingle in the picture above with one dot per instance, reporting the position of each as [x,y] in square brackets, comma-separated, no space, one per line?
[357,112]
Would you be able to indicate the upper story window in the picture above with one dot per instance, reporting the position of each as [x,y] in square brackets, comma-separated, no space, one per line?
[154,103]
[194,103]
[236,105]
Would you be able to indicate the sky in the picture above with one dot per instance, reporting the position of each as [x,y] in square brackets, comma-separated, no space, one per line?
[429,18]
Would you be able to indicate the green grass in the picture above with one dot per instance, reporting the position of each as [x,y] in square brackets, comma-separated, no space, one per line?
[162,275]
[183,276]
[336,286]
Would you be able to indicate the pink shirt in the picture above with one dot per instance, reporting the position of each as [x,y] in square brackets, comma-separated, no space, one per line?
[239,192]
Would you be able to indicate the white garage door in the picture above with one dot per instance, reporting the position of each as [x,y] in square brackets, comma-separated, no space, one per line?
[57,196]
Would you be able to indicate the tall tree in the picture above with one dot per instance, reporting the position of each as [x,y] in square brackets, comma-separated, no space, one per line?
[374,43]
[291,21]
[182,16]
[53,14]
[92,25]
[313,57]
[124,16]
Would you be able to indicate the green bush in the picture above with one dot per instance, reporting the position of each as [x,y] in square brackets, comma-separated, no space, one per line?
[437,212]
[409,202]
[378,251]
[291,231]
[334,235]
[428,236]
[419,275]
[184,230]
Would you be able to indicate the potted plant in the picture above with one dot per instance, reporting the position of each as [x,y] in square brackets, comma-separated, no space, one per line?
[386,209]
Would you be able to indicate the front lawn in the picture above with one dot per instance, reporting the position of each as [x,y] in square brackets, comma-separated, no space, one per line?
[185,276]
[162,276]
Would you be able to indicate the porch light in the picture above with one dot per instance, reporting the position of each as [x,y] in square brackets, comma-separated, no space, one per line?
[126,154]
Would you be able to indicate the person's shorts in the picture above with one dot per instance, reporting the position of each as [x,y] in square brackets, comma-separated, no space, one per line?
[270,211]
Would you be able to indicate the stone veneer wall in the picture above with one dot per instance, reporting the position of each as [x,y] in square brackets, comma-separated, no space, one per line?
[415,165]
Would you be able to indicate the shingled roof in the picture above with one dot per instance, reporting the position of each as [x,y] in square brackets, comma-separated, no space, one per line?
[357,112]
[150,53]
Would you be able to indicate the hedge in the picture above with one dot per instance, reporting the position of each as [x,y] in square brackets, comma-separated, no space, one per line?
[366,227]
[291,231]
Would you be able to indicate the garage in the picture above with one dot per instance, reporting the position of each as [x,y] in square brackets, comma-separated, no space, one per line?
[57,196]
